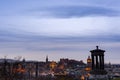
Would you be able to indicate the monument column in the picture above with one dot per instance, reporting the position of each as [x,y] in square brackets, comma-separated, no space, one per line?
[93,62]
[98,61]
[103,62]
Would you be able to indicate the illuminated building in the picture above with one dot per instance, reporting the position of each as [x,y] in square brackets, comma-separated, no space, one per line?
[53,65]
[89,64]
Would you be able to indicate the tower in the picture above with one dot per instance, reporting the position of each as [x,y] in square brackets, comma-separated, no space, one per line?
[89,64]
[97,56]
[89,60]
[47,59]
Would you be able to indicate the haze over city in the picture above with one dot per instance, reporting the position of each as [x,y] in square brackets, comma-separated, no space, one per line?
[59,29]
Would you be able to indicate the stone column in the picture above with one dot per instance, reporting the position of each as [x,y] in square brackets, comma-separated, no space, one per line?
[100,61]
[103,62]
[96,62]
[93,62]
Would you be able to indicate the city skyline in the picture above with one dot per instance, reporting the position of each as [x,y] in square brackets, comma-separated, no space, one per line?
[59,29]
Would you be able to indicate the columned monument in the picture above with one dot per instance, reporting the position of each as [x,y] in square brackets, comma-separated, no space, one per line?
[97,56]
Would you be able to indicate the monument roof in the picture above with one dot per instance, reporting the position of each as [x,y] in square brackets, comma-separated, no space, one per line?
[97,50]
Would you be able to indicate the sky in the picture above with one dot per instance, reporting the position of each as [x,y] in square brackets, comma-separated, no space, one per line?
[34,29]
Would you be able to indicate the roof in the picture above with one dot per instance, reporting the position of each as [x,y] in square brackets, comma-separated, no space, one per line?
[97,50]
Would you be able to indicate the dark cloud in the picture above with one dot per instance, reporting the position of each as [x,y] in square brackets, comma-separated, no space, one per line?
[9,36]
[63,48]
[77,11]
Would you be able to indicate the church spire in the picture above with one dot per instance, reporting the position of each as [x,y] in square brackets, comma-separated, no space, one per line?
[47,59]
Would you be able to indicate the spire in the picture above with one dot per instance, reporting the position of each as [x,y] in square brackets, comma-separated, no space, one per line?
[97,47]
[47,59]
[88,57]
[23,59]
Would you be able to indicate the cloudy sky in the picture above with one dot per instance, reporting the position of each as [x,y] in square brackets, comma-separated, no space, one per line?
[59,28]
